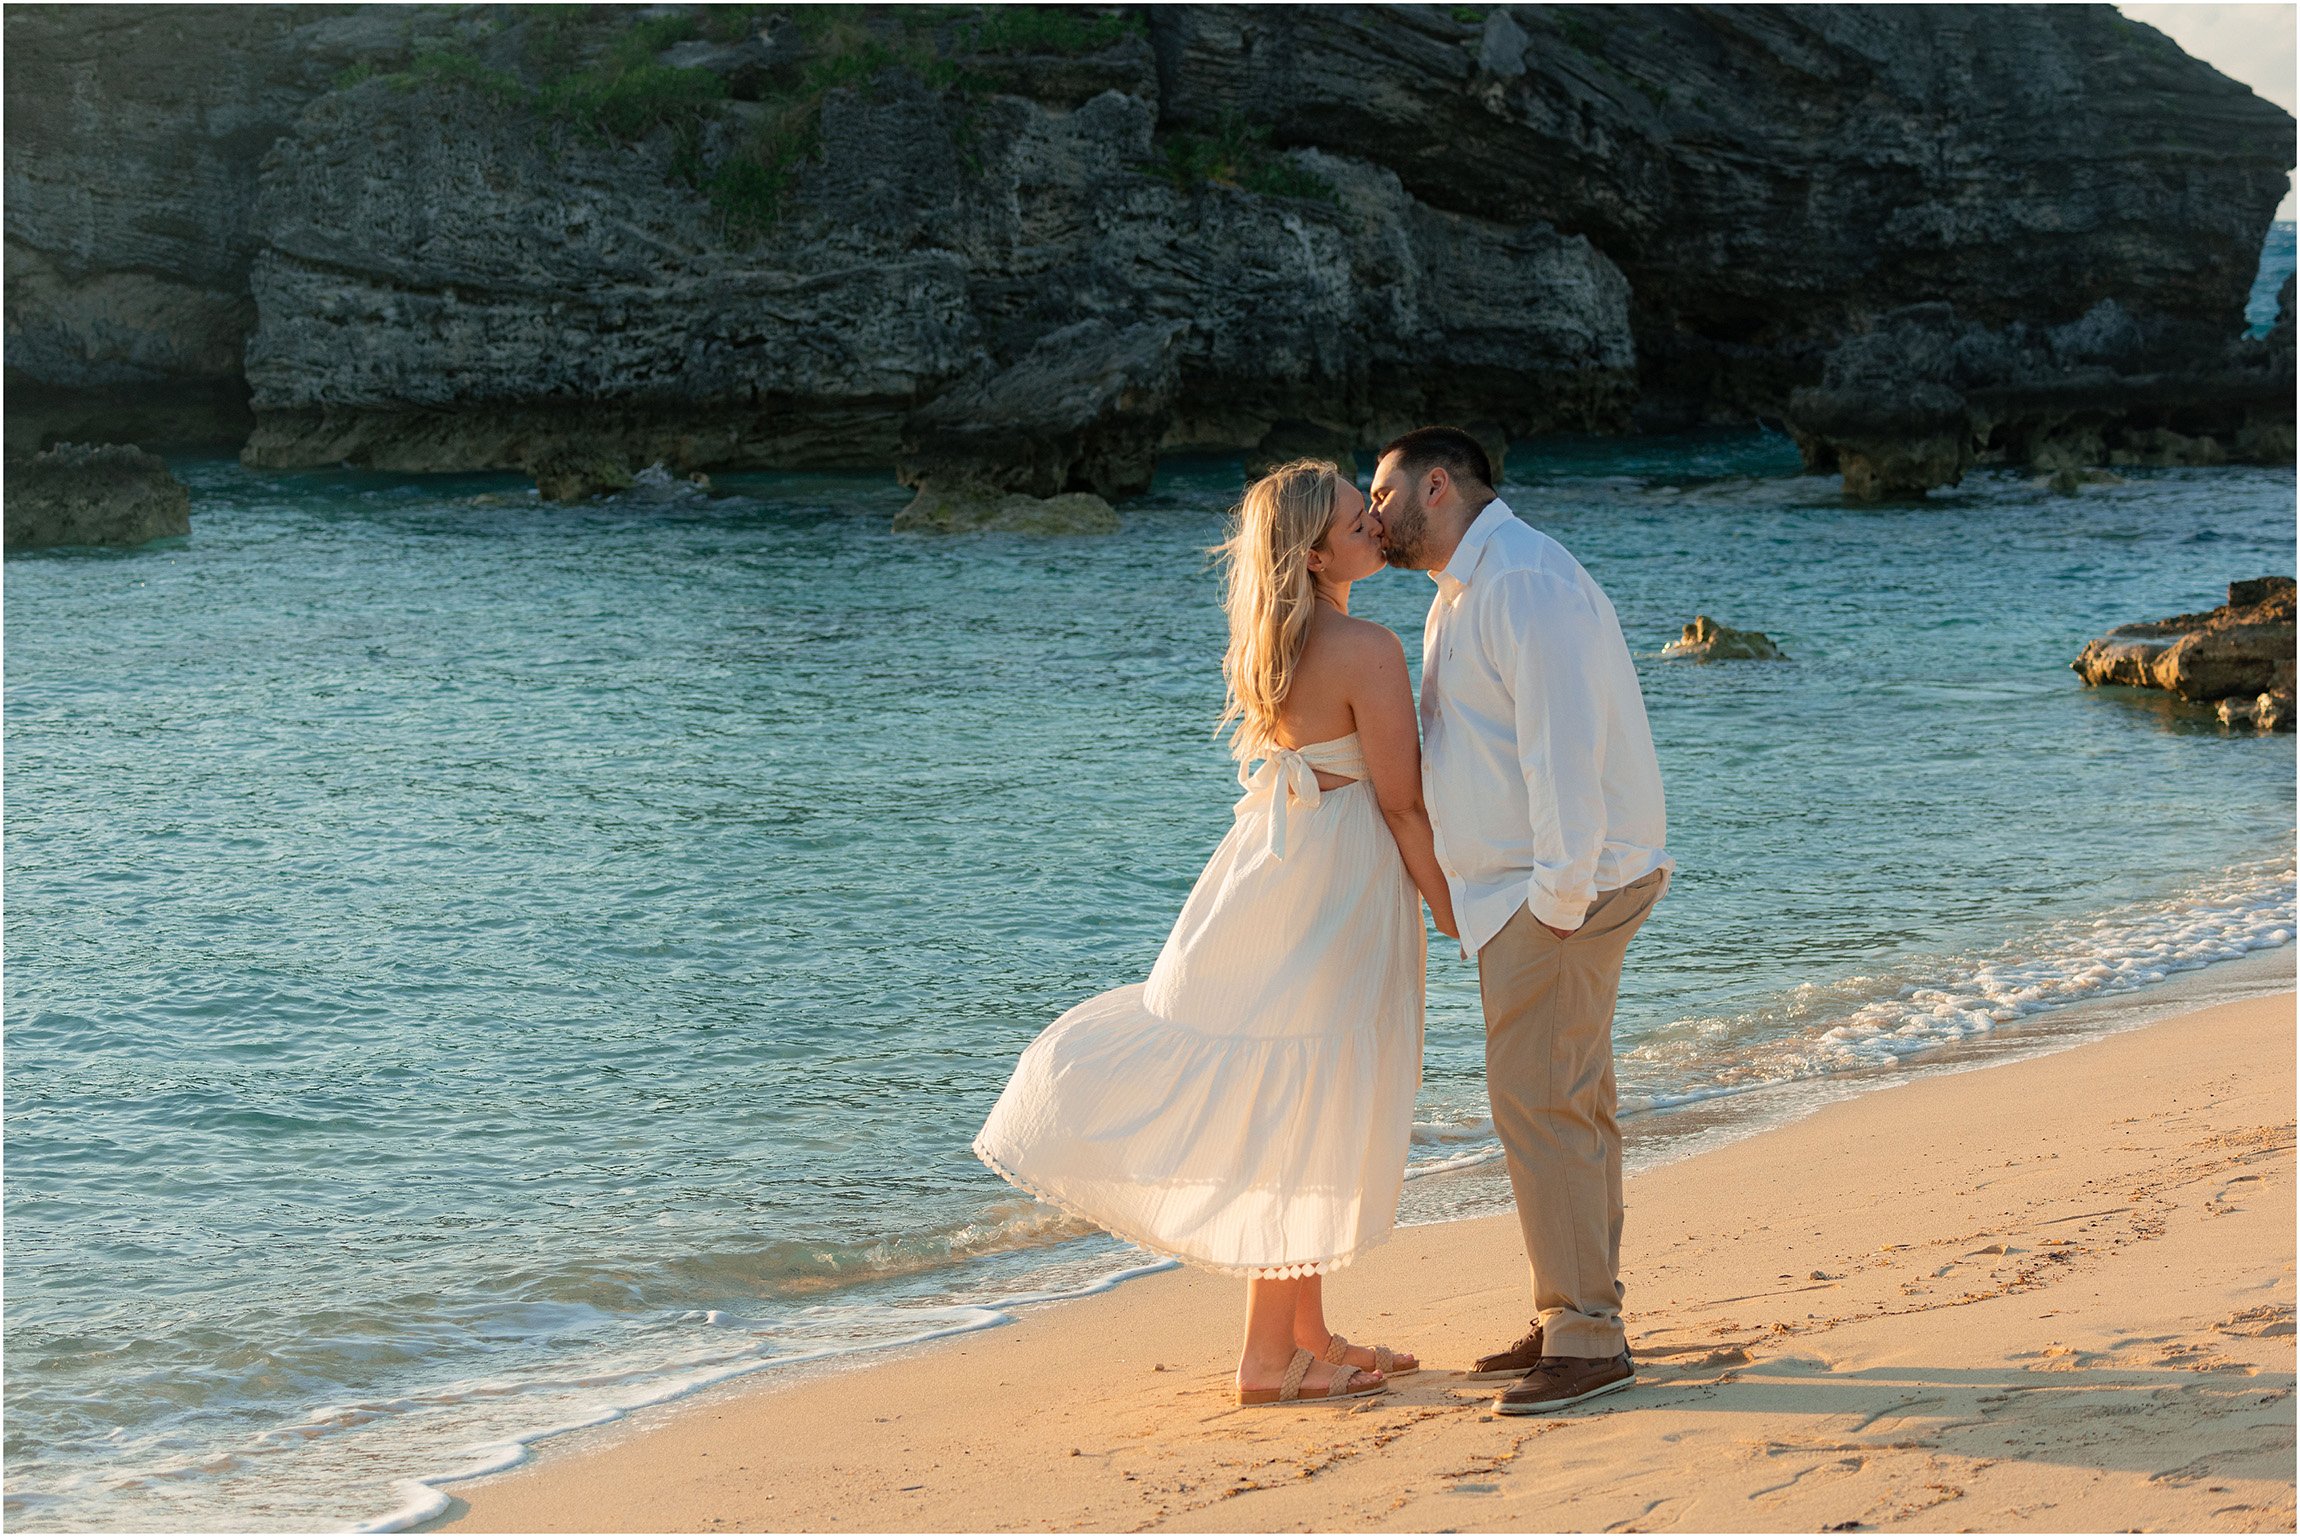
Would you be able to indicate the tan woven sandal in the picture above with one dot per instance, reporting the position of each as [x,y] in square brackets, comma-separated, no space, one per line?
[1290,1390]
[1385,1359]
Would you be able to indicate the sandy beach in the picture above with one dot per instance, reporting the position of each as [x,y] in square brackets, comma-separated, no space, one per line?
[2054,1294]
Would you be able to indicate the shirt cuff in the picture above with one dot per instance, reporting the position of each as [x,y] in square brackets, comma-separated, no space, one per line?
[1556,911]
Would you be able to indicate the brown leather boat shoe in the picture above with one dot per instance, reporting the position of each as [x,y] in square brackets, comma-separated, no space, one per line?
[1557,1381]
[1516,1361]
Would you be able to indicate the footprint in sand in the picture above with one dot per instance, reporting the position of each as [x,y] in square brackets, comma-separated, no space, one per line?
[2260,1322]
[2057,1358]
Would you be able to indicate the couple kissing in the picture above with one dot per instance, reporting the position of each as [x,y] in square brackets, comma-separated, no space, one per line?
[1248,1106]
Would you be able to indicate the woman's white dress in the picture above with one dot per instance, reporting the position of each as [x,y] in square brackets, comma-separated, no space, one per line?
[1248,1107]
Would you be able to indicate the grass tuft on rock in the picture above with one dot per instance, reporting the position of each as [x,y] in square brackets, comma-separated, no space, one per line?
[454,68]
[849,46]
[628,94]
[1237,154]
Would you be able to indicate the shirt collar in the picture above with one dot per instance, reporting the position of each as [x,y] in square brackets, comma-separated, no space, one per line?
[1454,577]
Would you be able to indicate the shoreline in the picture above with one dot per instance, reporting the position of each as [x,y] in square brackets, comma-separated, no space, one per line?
[537,1491]
[1433,1196]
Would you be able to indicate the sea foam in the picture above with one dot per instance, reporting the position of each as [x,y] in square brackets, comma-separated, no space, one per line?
[1923,1006]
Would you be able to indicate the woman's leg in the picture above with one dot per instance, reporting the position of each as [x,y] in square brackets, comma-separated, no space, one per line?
[1271,1307]
[1311,1333]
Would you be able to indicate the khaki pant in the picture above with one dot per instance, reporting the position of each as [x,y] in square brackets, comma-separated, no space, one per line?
[1549,1073]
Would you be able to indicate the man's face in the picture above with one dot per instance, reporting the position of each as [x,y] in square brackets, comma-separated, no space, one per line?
[1404,513]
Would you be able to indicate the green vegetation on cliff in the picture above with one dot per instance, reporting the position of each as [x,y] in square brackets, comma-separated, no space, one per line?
[1236,154]
[601,72]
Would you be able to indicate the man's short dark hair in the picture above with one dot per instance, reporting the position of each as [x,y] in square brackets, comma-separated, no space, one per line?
[1447,448]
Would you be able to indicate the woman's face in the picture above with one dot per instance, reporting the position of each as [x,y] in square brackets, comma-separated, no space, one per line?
[1352,548]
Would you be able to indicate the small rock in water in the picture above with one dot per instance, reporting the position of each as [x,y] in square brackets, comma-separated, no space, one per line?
[967,509]
[2271,711]
[2071,478]
[1705,640]
[655,483]
[565,474]
[94,493]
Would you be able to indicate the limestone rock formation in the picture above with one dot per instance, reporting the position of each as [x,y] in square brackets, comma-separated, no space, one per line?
[975,510]
[1290,440]
[1771,179]
[449,236]
[1923,396]
[93,493]
[1083,409]
[136,136]
[1705,640]
[509,295]
[2242,649]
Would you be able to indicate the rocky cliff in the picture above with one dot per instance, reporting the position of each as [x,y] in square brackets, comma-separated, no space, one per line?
[1037,246]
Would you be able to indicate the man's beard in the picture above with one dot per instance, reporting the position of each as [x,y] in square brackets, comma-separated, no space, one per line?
[1405,531]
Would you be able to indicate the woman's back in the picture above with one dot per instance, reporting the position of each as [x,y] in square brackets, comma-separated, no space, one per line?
[1317,706]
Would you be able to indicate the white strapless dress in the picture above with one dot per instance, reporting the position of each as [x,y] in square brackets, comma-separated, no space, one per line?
[1249,1106]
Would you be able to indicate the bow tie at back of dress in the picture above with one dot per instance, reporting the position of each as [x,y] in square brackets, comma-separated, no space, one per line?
[1289,774]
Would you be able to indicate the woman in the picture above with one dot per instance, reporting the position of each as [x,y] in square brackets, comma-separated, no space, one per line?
[1248,1107]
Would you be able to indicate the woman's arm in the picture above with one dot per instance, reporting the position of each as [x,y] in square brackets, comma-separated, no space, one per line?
[1382,700]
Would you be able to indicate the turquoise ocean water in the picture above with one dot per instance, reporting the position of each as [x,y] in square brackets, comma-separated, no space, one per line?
[473,966]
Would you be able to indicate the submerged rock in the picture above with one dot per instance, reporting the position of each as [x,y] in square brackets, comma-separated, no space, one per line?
[94,493]
[980,510]
[2242,649]
[2069,480]
[2271,711]
[656,483]
[1705,640]
[566,474]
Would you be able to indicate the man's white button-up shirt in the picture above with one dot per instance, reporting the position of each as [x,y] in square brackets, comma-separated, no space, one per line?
[1537,762]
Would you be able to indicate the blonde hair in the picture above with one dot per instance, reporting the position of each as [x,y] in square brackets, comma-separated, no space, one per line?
[1268,593]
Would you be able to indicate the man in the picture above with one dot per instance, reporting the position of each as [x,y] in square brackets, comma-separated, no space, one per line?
[1546,802]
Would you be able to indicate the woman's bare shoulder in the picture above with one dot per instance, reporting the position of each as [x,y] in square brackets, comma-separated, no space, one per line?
[1363,637]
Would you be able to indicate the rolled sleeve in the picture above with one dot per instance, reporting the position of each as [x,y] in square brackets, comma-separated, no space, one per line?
[1554,647]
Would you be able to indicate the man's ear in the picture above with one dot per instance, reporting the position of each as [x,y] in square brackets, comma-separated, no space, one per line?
[1439,482]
